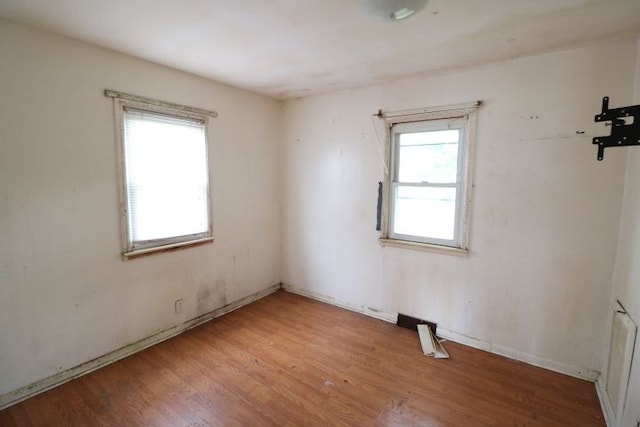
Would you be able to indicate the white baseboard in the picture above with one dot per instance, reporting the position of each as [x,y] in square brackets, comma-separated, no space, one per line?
[371,312]
[582,373]
[60,378]
[607,410]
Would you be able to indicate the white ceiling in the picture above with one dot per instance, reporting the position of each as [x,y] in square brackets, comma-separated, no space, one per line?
[293,48]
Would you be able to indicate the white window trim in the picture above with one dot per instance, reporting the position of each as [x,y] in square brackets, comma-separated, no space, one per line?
[122,100]
[430,125]
[466,110]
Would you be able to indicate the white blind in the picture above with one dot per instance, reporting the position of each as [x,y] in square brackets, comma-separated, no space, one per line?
[166,176]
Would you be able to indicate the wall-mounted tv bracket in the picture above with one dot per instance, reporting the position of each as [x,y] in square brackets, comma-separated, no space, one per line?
[623,132]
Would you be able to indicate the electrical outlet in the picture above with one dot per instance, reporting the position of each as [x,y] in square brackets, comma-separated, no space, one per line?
[178,305]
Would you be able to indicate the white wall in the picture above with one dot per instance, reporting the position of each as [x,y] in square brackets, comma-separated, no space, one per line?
[627,268]
[66,296]
[537,281]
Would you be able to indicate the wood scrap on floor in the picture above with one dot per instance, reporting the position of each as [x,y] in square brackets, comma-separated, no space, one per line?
[431,345]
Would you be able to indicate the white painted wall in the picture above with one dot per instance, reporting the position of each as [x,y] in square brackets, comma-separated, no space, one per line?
[544,223]
[538,278]
[627,268]
[66,296]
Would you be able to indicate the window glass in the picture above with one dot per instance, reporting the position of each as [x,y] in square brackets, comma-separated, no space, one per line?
[427,201]
[166,178]
[428,156]
[425,212]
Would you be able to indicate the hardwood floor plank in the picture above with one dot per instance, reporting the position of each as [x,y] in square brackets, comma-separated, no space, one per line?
[286,360]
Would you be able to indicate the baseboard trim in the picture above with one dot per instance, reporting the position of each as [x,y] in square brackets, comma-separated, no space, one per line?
[60,378]
[581,373]
[521,356]
[371,312]
[607,410]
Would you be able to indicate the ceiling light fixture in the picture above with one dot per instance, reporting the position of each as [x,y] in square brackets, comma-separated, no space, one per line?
[391,10]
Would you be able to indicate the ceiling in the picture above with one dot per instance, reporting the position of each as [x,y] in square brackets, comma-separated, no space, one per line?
[294,48]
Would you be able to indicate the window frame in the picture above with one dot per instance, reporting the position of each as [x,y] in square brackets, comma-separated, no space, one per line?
[421,118]
[132,249]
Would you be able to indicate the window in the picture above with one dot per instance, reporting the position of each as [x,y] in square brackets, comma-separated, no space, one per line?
[428,179]
[165,176]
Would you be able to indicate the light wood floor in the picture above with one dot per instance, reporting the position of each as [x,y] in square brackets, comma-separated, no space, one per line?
[290,361]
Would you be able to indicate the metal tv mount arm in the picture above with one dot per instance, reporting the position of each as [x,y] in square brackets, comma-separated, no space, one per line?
[623,132]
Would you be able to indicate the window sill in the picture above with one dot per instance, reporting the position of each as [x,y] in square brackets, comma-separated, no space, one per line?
[165,248]
[425,247]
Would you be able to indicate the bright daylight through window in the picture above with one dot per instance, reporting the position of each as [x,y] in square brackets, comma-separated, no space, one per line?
[428,181]
[167,179]
[165,175]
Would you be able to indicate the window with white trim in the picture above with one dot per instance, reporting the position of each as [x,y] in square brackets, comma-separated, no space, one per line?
[165,177]
[428,181]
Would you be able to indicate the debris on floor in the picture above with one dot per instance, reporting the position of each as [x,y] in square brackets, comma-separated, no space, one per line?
[431,345]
